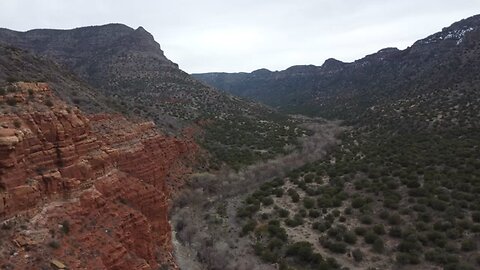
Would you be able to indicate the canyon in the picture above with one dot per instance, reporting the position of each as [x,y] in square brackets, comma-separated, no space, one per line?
[112,157]
[92,150]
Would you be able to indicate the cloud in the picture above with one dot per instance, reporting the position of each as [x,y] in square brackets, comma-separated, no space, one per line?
[215,35]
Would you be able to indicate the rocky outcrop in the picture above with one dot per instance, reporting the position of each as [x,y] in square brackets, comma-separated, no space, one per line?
[95,188]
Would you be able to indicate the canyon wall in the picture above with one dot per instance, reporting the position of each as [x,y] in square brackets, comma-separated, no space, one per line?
[91,191]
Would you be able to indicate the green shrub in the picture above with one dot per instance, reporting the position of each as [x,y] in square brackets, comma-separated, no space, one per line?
[360,230]
[336,232]
[378,246]
[294,195]
[11,101]
[49,103]
[267,201]
[65,227]
[475,228]
[469,245]
[283,213]
[275,230]
[309,178]
[358,202]
[17,124]
[350,237]
[337,247]
[421,226]
[442,225]
[407,258]
[476,217]
[465,224]
[440,257]
[302,250]
[438,205]
[6,225]
[410,245]
[366,219]
[357,255]
[451,247]
[370,237]
[275,244]
[394,219]
[269,256]
[296,221]
[384,215]
[321,227]
[459,266]
[251,200]
[379,229]
[278,192]
[277,182]
[308,202]
[248,211]
[54,244]
[454,233]
[314,213]
[248,227]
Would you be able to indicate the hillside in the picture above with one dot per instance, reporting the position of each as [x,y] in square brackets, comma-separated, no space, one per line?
[345,90]
[128,66]
[19,65]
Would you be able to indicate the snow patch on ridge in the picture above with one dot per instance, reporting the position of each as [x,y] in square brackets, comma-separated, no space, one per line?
[456,34]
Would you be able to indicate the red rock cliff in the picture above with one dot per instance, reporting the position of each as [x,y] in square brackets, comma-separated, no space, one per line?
[89,191]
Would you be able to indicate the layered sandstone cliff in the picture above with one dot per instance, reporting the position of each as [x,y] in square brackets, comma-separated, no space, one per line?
[90,191]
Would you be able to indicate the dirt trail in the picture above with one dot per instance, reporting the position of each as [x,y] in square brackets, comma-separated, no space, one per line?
[184,256]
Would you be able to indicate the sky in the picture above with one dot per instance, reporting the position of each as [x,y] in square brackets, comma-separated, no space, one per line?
[234,36]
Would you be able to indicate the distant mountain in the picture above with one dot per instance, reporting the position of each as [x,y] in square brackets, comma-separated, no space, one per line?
[344,90]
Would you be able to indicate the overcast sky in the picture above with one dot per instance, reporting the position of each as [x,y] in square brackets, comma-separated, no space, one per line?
[220,35]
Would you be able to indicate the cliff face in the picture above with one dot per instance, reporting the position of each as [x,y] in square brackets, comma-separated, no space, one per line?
[89,190]
[90,51]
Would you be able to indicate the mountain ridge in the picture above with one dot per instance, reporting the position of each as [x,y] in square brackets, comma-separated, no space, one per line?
[318,90]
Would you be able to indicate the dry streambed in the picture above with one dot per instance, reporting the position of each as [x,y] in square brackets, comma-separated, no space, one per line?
[205,227]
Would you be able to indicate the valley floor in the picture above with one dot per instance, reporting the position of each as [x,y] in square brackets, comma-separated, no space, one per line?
[206,229]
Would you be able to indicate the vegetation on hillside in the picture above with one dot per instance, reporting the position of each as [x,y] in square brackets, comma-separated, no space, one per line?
[400,190]
[237,140]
